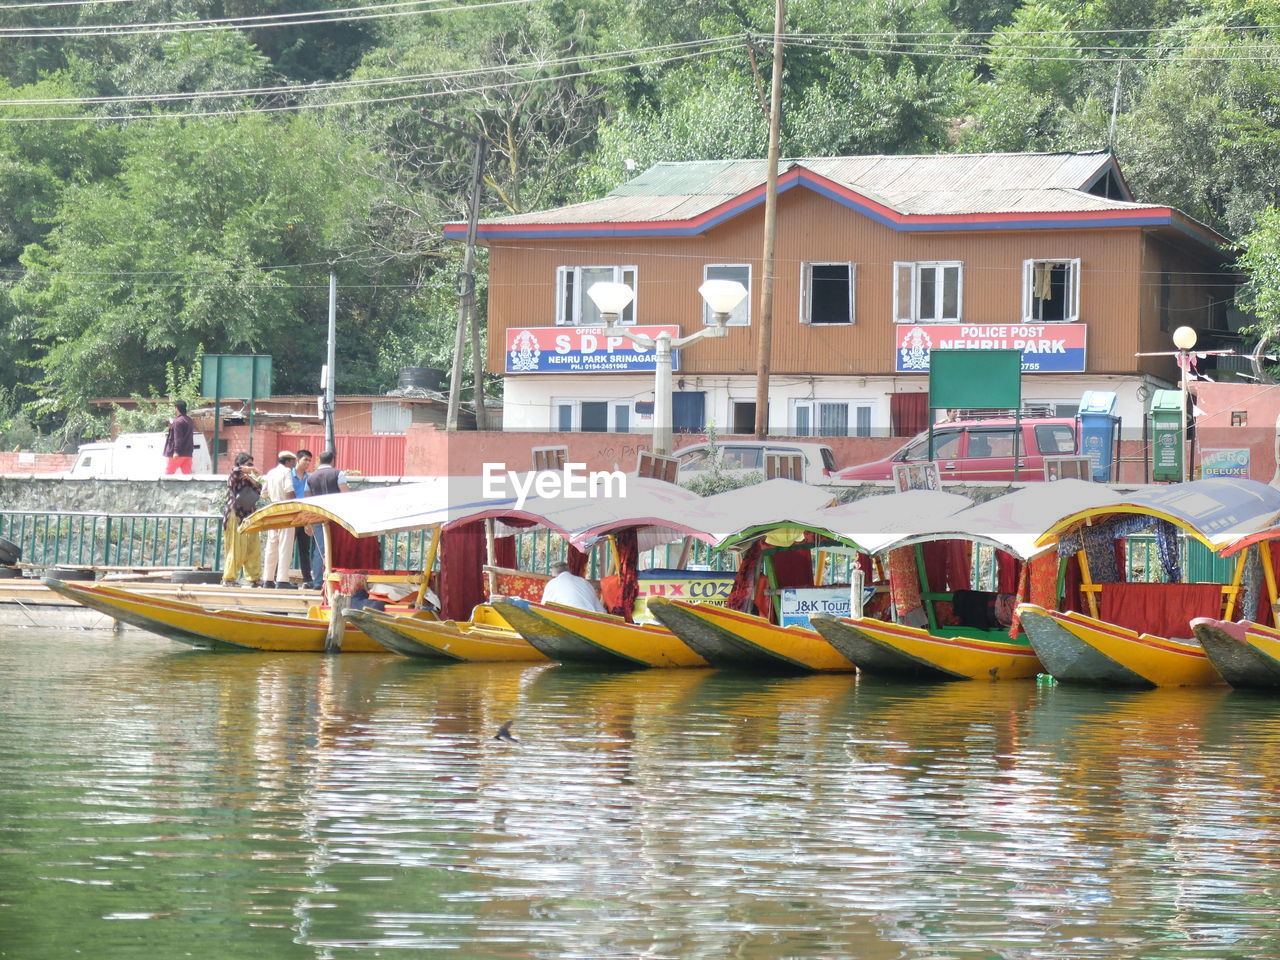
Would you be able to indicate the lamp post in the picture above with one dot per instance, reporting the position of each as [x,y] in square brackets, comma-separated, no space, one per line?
[1184,338]
[722,296]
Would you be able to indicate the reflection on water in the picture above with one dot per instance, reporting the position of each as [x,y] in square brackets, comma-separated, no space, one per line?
[158,803]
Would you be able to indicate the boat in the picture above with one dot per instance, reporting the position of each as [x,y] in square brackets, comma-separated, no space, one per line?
[728,638]
[1246,654]
[485,638]
[1140,633]
[212,629]
[1076,648]
[900,652]
[569,635]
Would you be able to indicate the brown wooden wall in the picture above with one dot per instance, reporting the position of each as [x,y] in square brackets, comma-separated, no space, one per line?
[1114,298]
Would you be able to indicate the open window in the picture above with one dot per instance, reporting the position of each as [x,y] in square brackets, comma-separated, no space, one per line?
[928,292]
[1050,291]
[575,308]
[826,292]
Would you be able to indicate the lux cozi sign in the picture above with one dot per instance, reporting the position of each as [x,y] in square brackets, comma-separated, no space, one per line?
[581,350]
[1045,347]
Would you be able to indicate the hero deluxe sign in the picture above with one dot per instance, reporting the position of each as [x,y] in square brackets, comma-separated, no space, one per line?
[581,350]
[1046,347]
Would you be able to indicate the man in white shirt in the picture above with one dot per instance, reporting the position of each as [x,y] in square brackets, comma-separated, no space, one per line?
[570,591]
[277,485]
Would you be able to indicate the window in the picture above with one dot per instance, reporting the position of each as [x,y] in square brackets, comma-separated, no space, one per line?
[1055,439]
[993,443]
[740,272]
[574,307]
[592,416]
[1050,291]
[826,292]
[832,418]
[927,292]
[946,446]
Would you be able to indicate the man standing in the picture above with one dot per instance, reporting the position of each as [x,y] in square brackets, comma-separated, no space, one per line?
[242,552]
[180,441]
[303,535]
[569,590]
[278,486]
[326,478]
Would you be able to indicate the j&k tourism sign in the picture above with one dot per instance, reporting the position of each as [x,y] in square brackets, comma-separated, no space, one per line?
[581,350]
[1045,347]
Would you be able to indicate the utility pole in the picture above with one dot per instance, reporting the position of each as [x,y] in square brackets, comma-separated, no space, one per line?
[467,297]
[330,443]
[765,355]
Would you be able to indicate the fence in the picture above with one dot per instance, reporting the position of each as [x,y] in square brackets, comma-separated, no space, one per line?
[120,539]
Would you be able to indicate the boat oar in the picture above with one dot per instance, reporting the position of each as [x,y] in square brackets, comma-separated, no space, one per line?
[337,623]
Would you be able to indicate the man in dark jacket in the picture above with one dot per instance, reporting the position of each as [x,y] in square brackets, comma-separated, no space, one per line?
[180,441]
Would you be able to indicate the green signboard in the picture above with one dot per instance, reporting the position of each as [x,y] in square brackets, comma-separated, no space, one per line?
[975,379]
[241,376]
[1167,435]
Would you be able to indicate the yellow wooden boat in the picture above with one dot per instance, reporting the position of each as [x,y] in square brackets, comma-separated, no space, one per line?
[202,627]
[910,653]
[487,638]
[570,635]
[727,638]
[1075,648]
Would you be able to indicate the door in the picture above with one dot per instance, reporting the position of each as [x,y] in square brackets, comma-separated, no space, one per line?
[688,411]
[991,454]
[947,450]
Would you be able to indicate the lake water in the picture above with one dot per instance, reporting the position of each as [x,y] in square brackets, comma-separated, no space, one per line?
[161,803]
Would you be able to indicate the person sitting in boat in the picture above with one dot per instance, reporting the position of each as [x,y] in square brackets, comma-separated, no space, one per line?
[570,590]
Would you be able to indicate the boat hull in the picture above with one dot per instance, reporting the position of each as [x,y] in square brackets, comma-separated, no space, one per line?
[1079,649]
[568,635]
[208,629]
[1242,662]
[907,653]
[727,638]
[445,641]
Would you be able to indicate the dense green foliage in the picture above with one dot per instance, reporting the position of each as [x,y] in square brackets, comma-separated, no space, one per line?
[178,187]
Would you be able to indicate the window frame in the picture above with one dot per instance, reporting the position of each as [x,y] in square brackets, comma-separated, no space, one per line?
[806,291]
[906,303]
[744,306]
[810,406]
[574,405]
[570,277]
[1070,315]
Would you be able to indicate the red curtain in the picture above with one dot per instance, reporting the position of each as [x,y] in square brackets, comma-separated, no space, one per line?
[1008,572]
[909,413]
[462,557]
[1161,609]
[576,559]
[745,580]
[353,553]
[504,552]
[628,576]
[792,568]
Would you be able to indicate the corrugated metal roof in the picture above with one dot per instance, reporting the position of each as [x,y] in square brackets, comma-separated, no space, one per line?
[922,185]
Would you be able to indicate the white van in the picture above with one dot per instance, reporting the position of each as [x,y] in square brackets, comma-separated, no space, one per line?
[134,456]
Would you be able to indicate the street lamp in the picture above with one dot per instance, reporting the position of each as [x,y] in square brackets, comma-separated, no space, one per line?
[722,296]
[1184,338]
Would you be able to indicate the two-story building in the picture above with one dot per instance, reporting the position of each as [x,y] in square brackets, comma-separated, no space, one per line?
[878,260]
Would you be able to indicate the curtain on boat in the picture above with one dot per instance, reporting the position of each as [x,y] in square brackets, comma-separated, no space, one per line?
[462,557]
[744,580]
[1161,609]
[353,553]
[628,578]
[576,559]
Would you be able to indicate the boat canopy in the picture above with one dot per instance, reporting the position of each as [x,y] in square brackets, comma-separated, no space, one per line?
[1013,522]
[1217,511]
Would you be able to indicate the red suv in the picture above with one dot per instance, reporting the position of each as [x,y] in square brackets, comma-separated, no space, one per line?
[982,450]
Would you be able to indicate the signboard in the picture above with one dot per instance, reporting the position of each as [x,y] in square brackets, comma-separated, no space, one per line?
[1045,347]
[581,350]
[960,379]
[709,588]
[798,604]
[919,475]
[1224,463]
[243,376]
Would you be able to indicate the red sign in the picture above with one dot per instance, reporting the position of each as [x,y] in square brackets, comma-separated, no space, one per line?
[1046,347]
[581,350]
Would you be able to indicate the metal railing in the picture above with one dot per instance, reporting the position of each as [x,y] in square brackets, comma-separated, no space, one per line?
[114,539]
